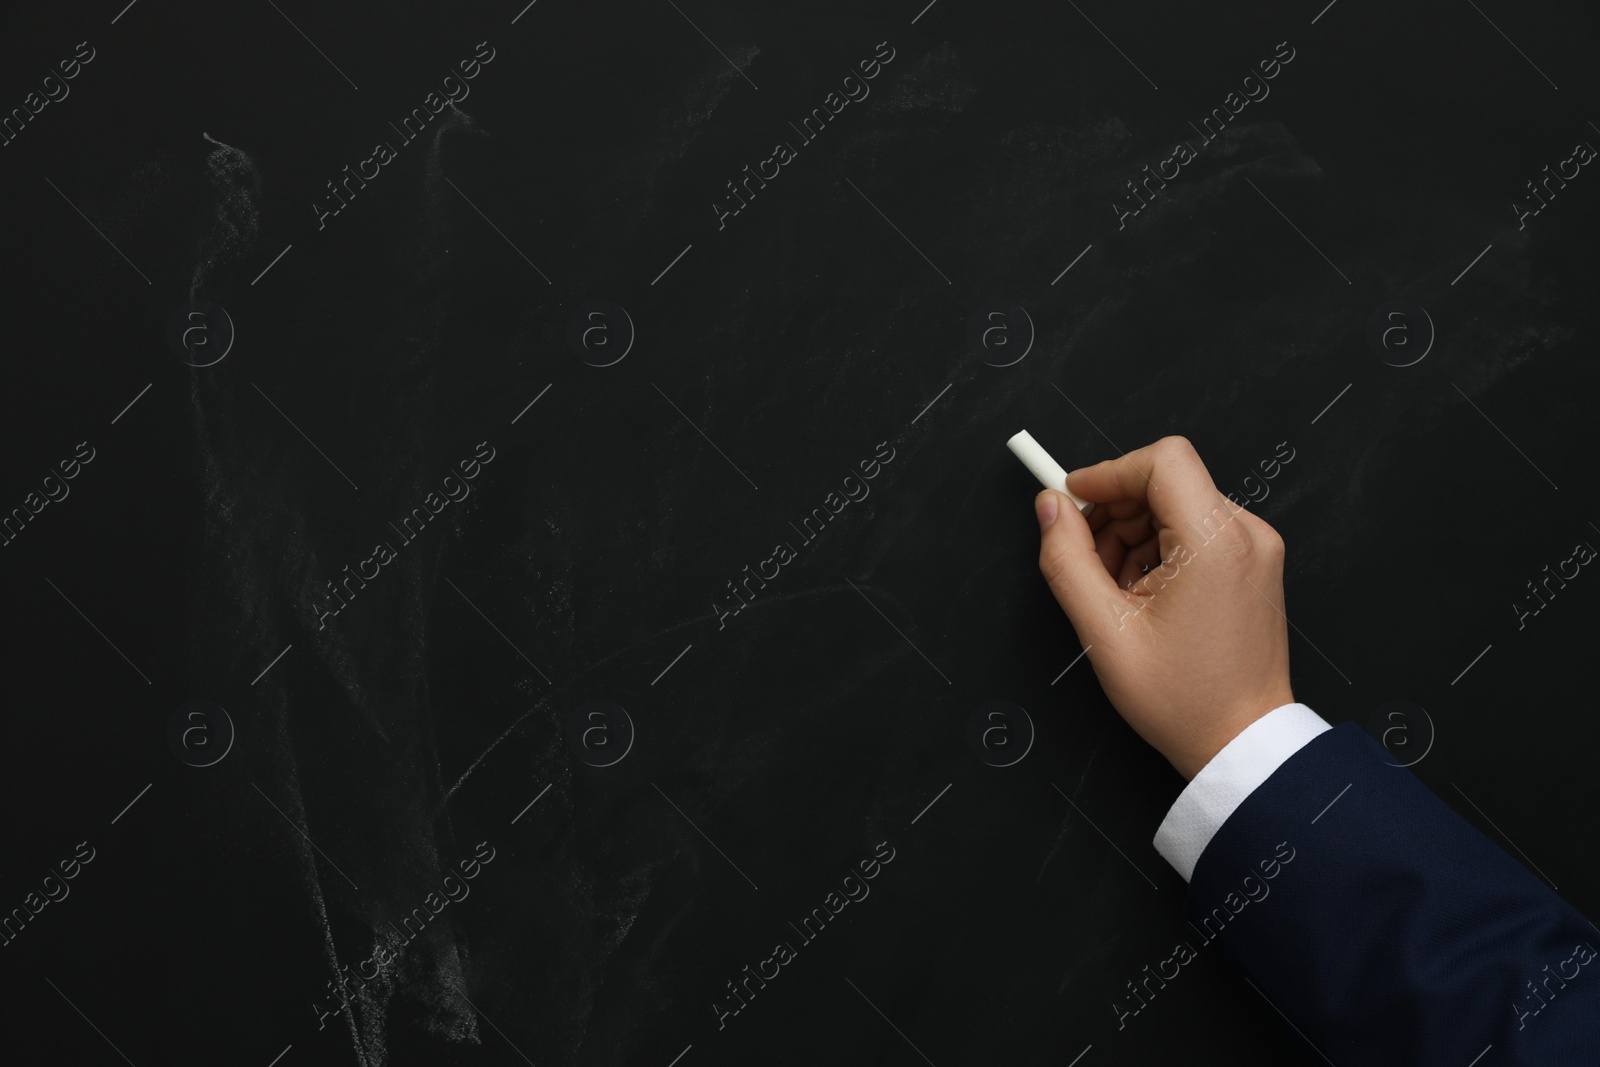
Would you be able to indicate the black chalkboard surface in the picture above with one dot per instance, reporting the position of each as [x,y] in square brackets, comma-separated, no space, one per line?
[512,555]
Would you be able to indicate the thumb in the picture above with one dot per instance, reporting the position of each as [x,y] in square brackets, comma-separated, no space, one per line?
[1072,567]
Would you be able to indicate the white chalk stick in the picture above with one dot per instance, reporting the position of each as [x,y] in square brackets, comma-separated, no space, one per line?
[1050,473]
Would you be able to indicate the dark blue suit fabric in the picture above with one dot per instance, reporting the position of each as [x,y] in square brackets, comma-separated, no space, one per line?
[1388,930]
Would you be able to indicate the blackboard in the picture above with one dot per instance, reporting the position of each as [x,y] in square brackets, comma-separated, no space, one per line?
[508,522]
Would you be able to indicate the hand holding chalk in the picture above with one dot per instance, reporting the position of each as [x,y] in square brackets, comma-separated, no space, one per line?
[1050,473]
[1176,595]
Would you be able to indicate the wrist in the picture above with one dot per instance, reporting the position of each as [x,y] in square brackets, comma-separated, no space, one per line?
[1191,757]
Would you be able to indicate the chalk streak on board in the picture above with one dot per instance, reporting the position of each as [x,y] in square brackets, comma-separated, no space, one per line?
[490,1021]
[302,433]
[235,181]
[713,44]
[305,835]
[516,724]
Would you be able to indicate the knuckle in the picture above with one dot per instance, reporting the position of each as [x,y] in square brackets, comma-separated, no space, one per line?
[1272,543]
[1265,538]
[1235,542]
[1175,446]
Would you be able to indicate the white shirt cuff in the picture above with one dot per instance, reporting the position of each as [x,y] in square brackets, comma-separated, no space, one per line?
[1233,774]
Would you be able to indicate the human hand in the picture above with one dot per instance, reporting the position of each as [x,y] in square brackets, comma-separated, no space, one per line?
[1176,593]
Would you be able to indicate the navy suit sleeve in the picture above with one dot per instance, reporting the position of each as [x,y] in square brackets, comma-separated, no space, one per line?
[1388,930]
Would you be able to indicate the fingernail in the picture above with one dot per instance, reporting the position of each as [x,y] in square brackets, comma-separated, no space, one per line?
[1045,506]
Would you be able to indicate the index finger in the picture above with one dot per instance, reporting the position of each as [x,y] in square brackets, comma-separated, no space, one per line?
[1167,476]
